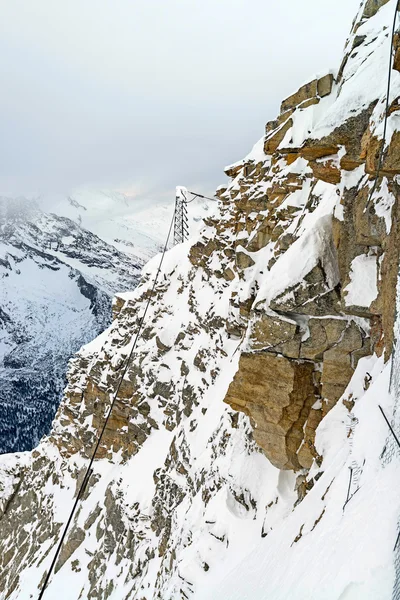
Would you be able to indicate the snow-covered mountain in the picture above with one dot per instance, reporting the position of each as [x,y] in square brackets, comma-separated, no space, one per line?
[59,272]
[57,284]
[130,223]
[247,456]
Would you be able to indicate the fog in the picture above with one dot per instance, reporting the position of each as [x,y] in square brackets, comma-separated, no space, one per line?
[142,95]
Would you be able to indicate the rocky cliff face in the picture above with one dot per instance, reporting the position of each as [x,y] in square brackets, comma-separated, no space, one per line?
[254,388]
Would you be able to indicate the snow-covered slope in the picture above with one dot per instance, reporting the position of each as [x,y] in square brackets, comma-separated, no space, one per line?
[246,455]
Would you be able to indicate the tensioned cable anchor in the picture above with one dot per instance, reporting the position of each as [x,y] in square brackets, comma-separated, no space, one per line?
[389,425]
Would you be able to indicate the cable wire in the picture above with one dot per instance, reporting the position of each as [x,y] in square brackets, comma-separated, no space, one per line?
[201,196]
[381,153]
[89,469]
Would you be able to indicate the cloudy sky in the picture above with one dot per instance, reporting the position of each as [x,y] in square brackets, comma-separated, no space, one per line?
[148,94]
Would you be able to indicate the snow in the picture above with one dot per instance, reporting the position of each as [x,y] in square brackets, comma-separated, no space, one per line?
[363,287]
[384,201]
[132,224]
[314,242]
[235,529]
[354,544]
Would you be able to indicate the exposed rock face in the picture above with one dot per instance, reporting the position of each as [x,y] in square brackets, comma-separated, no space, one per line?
[287,287]
[372,7]
[317,317]
[278,394]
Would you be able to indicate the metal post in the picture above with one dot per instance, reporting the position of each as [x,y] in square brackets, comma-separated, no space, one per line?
[181,227]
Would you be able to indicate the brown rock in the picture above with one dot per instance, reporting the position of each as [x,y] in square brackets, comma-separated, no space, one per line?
[349,134]
[261,236]
[275,335]
[372,7]
[326,170]
[304,93]
[312,296]
[339,363]
[278,394]
[275,139]
[233,170]
[200,252]
[323,334]
[314,150]
[396,48]
[370,229]
[243,260]
[324,86]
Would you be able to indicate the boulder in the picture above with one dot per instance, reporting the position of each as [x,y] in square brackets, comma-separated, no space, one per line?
[244,260]
[326,170]
[324,86]
[307,91]
[278,394]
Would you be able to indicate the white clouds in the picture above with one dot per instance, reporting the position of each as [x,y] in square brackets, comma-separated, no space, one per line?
[114,92]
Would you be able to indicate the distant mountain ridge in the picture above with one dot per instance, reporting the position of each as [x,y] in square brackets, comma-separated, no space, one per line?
[57,284]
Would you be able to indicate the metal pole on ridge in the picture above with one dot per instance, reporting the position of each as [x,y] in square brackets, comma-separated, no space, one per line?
[181,227]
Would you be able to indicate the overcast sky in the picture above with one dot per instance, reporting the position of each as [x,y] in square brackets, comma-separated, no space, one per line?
[149,94]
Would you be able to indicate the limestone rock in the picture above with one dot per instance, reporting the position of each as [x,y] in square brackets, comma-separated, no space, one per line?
[275,335]
[370,228]
[323,334]
[339,363]
[276,138]
[326,170]
[244,260]
[278,394]
[372,7]
[312,296]
[307,91]
[233,170]
[349,135]
[324,86]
